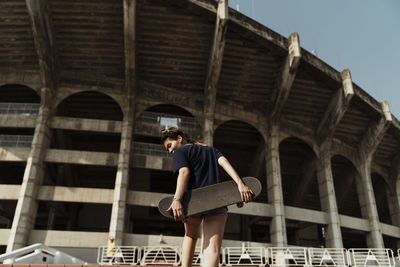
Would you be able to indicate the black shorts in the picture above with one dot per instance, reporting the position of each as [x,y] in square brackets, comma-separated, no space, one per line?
[219,211]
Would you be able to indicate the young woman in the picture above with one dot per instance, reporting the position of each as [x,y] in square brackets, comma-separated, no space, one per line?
[196,165]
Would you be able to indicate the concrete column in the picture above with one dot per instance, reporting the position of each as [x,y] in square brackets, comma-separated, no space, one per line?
[25,212]
[394,205]
[333,236]
[275,194]
[369,211]
[119,208]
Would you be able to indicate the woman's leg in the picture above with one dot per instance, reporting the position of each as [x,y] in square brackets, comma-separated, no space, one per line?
[213,232]
[192,233]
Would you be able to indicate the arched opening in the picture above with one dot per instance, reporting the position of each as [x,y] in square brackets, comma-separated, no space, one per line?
[345,177]
[18,104]
[300,189]
[90,105]
[244,147]
[151,170]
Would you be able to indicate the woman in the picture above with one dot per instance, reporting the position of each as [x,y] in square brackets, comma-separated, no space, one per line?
[196,165]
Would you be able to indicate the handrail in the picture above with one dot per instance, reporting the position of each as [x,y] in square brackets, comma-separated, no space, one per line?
[9,140]
[19,108]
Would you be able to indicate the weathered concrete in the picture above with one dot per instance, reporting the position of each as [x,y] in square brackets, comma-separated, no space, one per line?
[81,157]
[327,196]
[369,211]
[286,77]
[336,108]
[275,194]
[80,124]
[214,69]
[17,121]
[14,154]
[26,209]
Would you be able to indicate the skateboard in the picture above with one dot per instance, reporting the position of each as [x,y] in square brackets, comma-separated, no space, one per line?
[210,197]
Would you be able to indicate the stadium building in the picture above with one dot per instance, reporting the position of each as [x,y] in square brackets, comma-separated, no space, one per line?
[86,86]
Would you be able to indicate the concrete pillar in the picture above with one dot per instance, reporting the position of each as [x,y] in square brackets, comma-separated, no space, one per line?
[333,235]
[394,205]
[369,211]
[275,193]
[25,212]
[117,223]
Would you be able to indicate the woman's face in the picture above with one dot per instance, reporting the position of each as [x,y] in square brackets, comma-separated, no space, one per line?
[171,145]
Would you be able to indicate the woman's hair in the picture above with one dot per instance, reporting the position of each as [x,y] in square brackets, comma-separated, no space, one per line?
[174,132]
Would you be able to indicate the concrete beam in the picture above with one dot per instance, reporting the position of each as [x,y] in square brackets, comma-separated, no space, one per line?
[80,124]
[336,108]
[43,33]
[130,43]
[17,121]
[286,77]
[214,70]
[375,133]
[81,157]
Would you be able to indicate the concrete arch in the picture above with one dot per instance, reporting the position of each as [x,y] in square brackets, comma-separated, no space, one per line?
[121,100]
[31,80]
[308,141]
[261,130]
[108,97]
[29,96]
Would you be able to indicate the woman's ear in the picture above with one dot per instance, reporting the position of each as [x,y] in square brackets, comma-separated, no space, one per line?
[180,139]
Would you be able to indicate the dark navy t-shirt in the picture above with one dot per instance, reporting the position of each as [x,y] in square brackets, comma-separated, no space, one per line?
[205,164]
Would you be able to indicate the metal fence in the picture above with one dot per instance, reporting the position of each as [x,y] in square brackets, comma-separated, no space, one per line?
[162,119]
[371,257]
[7,140]
[256,256]
[149,149]
[161,255]
[19,108]
[129,255]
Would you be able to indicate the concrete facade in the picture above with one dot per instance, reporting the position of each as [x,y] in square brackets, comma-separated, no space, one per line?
[326,152]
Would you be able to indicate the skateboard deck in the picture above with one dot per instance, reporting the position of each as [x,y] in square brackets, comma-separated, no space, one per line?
[210,197]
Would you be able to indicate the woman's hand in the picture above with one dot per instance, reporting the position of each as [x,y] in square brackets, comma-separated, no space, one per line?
[245,192]
[177,210]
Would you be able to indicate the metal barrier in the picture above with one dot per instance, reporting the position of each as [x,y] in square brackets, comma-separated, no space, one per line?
[327,257]
[162,119]
[197,256]
[287,256]
[119,255]
[161,255]
[371,257]
[244,256]
[7,140]
[149,149]
[19,108]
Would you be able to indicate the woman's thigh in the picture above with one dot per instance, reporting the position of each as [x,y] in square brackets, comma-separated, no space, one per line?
[192,227]
[213,230]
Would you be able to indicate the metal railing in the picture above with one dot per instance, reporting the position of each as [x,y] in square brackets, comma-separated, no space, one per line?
[371,257]
[261,256]
[149,149]
[162,119]
[161,255]
[244,256]
[7,140]
[327,257]
[129,255]
[287,256]
[19,108]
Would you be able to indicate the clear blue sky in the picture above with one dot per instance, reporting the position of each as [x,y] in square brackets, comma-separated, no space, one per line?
[361,35]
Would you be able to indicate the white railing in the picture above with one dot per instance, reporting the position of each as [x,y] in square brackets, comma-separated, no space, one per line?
[154,255]
[7,140]
[327,257]
[118,255]
[19,108]
[371,257]
[162,119]
[244,256]
[287,256]
[261,256]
